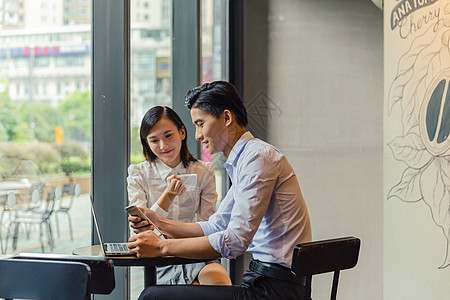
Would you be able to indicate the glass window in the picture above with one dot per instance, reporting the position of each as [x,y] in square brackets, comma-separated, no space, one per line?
[214,62]
[69,61]
[151,54]
[41,61]
[44,135]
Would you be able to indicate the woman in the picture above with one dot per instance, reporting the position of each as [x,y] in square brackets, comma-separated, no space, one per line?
[156,183]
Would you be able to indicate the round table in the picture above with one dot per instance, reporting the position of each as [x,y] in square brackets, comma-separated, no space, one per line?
[149,263]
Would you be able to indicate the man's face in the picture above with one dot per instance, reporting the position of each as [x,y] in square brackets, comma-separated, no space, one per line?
[209,130]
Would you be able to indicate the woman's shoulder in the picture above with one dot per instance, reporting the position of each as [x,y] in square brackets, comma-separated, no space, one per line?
[143,167]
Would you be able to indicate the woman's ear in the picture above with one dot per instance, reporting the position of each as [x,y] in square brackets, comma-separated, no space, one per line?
[183,133]
[228,117]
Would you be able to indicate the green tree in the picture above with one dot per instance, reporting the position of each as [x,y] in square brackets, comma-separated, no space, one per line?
[45,120]
[8,117]
[76,112]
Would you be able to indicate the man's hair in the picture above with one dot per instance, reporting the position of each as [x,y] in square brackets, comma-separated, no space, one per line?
[215,97]
[149,120]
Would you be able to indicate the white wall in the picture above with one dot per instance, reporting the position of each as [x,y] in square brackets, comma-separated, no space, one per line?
[416,168]
[318,65]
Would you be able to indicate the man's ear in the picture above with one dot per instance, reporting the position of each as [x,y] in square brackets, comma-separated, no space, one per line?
[228,117]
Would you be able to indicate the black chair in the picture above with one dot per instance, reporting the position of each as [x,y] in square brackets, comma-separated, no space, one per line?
[37,279]
[65,205]
[325,256]
[101,279]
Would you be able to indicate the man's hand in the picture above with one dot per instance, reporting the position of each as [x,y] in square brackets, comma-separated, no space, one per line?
[140,225]
[145,244]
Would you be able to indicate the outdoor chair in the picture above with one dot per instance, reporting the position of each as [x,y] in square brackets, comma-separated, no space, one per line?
[325,256]
[64,206]
[36,215]
[38,279]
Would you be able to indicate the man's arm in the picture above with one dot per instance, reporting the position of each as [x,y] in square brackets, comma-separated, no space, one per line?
[171,228]
[148,244]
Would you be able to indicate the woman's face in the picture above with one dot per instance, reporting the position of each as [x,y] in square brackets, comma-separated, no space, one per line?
[164,139]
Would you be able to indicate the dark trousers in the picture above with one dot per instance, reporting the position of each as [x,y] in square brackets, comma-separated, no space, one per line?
[254,287]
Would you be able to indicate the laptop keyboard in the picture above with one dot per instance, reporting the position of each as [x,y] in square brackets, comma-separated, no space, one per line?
[116,247]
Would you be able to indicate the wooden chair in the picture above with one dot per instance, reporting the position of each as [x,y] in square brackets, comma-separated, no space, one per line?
[37,279]
[325,256]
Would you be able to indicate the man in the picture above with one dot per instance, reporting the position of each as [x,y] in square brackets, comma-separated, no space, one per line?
[263,212]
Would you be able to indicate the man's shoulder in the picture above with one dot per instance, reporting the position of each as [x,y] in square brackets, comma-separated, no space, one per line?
[258,146]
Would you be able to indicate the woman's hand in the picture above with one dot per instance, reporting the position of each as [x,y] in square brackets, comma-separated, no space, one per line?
[175,186]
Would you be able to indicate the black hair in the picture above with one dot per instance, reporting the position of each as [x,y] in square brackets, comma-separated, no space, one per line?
[151,117]
[215,97]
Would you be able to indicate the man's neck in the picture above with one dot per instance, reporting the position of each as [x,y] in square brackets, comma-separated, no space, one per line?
[234,136]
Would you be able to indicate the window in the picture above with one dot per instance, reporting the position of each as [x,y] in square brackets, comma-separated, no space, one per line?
[150,80]
[42,61]
[69,61]
[161,56]
[44,135]
[213,61]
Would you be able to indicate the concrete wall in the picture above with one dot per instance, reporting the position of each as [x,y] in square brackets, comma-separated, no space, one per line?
[313,84]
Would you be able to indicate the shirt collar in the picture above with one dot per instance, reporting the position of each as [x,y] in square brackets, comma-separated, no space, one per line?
[165,171]
[238,147]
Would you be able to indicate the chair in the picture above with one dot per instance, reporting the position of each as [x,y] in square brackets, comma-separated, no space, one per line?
[36,215]
[34,279]
[64,206]
[101,280]
[325,256]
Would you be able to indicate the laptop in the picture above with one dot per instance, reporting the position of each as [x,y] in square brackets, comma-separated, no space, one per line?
[109,249]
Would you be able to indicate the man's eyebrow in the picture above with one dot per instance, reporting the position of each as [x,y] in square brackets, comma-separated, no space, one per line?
[198,120]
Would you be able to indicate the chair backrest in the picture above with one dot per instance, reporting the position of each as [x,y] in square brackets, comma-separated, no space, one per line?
[102,279]
[37,279]
[68,189]
[325,256]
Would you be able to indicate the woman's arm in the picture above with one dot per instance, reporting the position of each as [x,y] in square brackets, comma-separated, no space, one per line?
[174,187]
[137,194]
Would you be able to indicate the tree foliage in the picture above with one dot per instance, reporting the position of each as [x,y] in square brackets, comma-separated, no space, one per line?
[76,109]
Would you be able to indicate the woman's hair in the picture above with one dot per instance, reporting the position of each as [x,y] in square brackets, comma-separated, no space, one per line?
[215,97]
[151,117]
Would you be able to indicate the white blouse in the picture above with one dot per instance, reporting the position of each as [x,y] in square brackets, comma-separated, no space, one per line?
[147,181]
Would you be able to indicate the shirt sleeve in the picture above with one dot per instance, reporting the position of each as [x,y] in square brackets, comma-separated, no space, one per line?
[137,194]
[253,187]
[208,194]
[159,211]
[219,221]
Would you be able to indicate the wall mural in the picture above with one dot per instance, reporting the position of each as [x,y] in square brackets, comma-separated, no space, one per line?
[420,91]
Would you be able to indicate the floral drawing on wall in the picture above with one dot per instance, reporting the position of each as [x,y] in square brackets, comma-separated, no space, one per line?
[421,92]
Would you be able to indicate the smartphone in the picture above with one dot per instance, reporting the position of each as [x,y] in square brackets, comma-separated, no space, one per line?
[136,212]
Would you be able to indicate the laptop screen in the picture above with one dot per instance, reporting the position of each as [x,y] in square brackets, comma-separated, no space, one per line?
[96,225]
